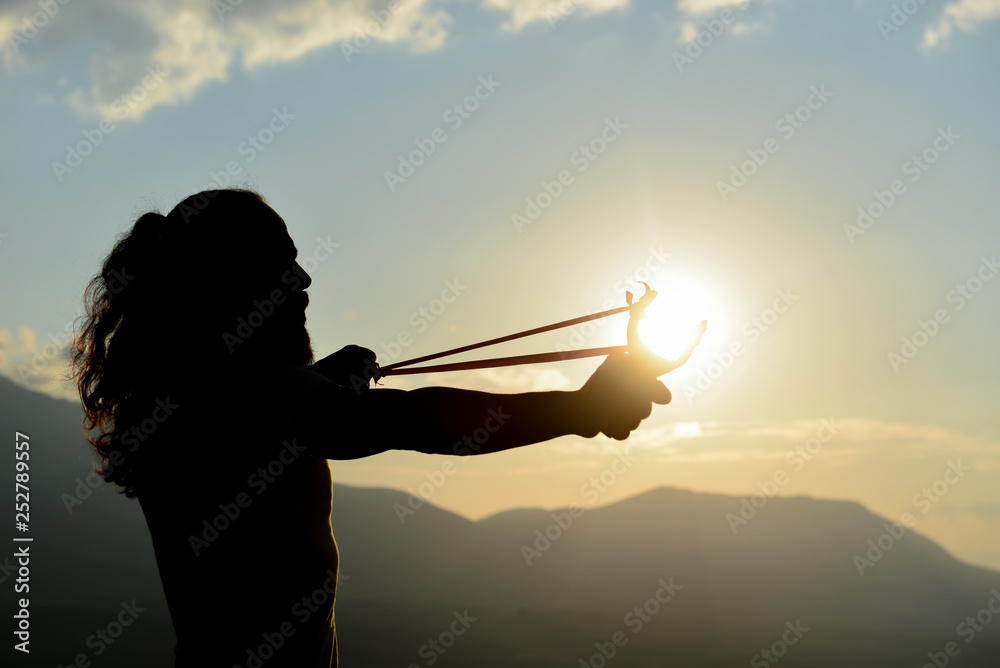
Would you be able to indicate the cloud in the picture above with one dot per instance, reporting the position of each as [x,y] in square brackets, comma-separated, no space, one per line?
[723,456]
[38,363]
[524,12]
[145,55]
[852,429]
[742,28]
[966,15]
[844,438]
[988,510]
[696,7]
[155,54]
[703,13]
[506,379]
[738,441]
[689,30]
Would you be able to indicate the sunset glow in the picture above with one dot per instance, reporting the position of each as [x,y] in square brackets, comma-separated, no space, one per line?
[672,321]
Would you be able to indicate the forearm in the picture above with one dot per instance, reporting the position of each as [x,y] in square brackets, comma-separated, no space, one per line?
[446,420]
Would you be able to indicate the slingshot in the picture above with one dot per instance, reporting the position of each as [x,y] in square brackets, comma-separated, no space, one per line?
[634,346]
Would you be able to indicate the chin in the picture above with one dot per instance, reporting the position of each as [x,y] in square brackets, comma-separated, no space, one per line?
[292,345]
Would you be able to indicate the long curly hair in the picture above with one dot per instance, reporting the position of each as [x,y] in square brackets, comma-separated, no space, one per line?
[164,310]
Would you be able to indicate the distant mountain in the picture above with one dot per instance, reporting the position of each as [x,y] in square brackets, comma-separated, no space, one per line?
[792,562]
[788,575]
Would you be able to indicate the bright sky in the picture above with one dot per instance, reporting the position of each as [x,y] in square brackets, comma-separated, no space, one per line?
[819,177]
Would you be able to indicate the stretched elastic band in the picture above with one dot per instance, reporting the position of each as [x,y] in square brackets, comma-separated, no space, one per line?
[391,369]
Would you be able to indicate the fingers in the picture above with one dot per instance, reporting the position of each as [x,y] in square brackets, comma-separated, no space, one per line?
[661,395]
[621,432]
[360,353]
[627,416]
[622,392]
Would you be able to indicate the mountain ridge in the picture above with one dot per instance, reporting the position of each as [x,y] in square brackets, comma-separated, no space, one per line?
[547,583]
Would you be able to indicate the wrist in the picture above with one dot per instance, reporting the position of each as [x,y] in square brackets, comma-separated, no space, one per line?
[584,421]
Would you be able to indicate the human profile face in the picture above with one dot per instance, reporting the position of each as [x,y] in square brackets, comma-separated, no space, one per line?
[275,284]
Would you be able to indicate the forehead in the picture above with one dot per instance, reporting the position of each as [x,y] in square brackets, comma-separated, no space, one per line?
[264,235]
[243,240]
[274,233]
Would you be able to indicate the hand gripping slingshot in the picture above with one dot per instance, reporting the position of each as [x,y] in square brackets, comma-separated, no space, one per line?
[635,346]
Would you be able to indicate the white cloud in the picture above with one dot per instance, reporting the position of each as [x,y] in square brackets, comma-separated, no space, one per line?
[695,7]
[742,28]
[723,456]
[38,363]
[524,12]
[503,380]
[688,32]
[702,14]
[844,438]
[965,15]
[193,43]
[153,54]
[510,379]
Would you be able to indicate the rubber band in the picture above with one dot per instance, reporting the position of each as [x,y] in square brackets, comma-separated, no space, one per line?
[390,369]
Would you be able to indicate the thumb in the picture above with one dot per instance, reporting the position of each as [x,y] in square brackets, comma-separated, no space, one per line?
[660,395]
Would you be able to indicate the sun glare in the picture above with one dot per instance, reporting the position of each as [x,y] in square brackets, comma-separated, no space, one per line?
[672,320]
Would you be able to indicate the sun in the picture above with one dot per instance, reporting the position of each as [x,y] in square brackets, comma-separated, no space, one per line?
[672,320]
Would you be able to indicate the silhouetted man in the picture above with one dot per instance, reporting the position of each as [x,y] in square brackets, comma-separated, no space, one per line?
[195,369]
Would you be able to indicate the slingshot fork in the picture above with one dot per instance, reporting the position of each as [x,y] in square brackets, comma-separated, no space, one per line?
[635,346]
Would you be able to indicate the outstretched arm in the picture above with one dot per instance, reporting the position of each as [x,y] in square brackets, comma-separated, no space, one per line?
[341,423]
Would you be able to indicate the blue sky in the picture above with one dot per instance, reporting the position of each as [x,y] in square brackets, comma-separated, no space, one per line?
[738,140]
